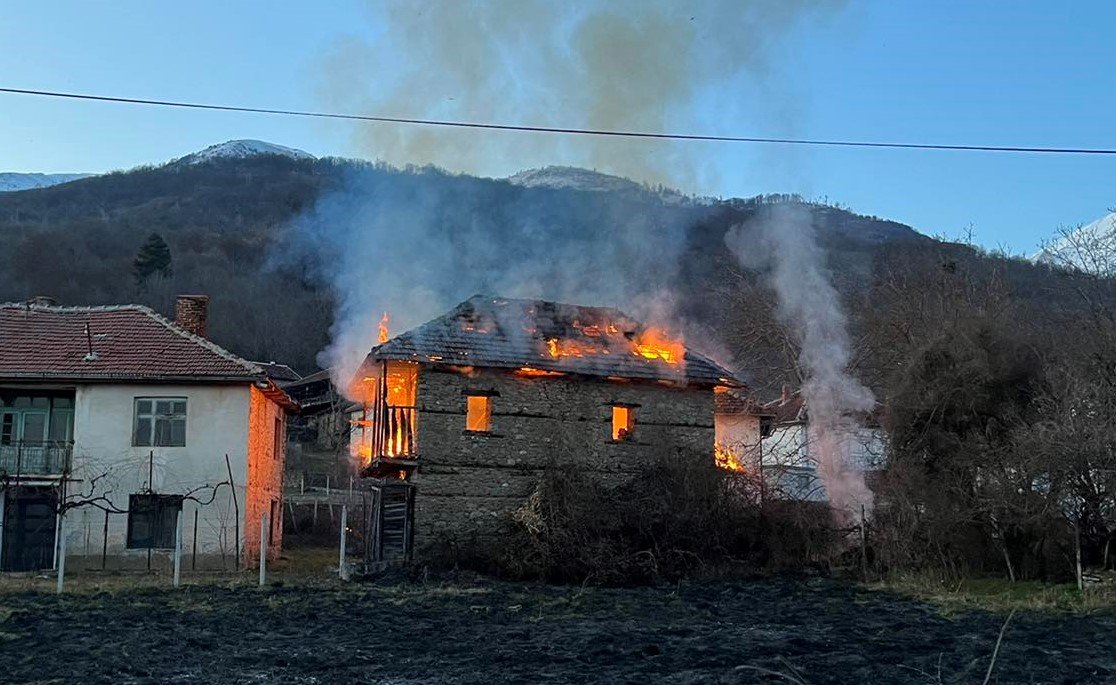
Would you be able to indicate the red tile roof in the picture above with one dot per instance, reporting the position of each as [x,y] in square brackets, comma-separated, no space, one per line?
[736,402]
[791,408]
[129,342]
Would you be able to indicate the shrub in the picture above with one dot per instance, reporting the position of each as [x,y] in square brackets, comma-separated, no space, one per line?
[680,516]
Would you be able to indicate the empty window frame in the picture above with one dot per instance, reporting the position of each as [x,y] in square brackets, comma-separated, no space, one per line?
[275,522]
[279,438]
[478,413]
[623,422]
[152,520]
[159,422]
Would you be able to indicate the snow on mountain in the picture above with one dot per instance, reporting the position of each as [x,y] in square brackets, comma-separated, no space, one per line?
[573,177]
[13,181]
[241,149]
[576,178]
[1091,248]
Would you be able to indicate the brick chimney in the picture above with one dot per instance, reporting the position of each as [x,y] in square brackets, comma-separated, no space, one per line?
[191,312]
[42,301]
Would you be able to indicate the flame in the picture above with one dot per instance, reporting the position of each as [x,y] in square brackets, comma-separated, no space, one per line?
[653,344]
[532,372]
[388,424]
[573,348]
[727,459]
[384,328]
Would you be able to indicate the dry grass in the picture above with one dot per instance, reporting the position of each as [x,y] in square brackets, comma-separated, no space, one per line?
[306,566]
[1002,596]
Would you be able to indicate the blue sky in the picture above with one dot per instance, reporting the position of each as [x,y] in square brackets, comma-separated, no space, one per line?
[978,72]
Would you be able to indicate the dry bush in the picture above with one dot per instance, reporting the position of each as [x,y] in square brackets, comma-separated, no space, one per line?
[680,516]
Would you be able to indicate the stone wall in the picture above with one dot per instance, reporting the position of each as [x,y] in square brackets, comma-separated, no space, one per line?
[467,481]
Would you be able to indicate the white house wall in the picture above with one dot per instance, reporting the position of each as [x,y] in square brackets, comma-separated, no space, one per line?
[217,424]
[740,435]
[791,470]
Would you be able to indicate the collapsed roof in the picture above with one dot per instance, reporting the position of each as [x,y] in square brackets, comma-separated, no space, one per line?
[508,333]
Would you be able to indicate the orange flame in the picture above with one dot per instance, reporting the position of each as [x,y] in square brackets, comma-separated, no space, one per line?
[384,328]
[652,343]
[531,372]
[727,459]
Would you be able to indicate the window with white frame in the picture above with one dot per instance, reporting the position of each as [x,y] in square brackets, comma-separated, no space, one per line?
[159,422]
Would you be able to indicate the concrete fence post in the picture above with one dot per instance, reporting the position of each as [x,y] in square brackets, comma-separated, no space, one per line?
[61,549]
[263,549]
[178,550]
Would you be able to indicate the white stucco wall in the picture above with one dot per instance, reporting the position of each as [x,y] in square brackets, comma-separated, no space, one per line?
[739,434]
[217,424]
[791,470]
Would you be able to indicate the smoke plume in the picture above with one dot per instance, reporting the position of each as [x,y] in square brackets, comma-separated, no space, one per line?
[644,65]
[414,249]
[810,306]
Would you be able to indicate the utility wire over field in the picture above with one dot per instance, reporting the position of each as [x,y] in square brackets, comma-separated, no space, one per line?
[569,130]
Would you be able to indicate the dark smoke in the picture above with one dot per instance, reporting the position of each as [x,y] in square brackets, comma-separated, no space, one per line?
[648,65]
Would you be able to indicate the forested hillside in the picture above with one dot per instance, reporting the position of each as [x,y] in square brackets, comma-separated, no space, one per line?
[227,224]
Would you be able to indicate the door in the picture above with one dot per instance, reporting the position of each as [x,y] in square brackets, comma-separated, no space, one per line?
[29,522]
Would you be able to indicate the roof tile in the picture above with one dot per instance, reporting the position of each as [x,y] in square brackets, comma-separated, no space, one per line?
[122,342]
[515,333]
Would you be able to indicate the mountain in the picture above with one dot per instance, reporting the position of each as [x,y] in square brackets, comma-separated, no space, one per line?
[239,149]
[263,227]
[574,178]
[12,181]
[1090,248]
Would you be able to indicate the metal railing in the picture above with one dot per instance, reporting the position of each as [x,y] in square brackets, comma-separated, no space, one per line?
[36,458]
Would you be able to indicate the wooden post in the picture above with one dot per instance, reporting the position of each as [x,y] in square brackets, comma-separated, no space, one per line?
[104,543]
[1077,555]
[863,542]
[263,549]
[342,564]
[61,549]
[178,549]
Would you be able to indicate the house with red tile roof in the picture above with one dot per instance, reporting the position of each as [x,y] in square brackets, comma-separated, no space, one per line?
[122,432]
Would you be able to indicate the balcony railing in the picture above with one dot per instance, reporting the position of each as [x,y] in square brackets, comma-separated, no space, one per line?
[389,432]
[35,458]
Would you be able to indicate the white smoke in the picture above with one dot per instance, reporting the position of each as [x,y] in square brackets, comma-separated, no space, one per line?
[810,306]
[416,244]
[647,65]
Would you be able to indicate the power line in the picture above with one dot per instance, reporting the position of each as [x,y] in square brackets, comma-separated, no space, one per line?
[567,131]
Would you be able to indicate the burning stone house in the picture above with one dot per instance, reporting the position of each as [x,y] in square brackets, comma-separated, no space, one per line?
[473,405]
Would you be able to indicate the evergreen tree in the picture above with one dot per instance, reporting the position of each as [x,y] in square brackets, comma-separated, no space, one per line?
[154,257]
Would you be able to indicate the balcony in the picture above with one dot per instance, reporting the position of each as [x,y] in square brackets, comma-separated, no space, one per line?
[35,458]
[388,440]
